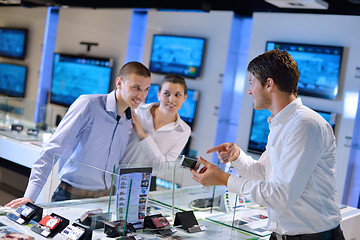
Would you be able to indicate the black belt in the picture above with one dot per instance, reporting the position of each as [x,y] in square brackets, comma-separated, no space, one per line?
[330,234]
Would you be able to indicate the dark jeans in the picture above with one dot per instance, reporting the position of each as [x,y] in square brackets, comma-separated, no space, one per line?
[334,234]
[60,195]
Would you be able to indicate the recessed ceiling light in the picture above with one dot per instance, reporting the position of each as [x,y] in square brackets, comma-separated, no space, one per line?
[301,4]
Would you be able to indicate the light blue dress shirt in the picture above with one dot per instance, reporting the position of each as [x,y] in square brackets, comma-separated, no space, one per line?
[93,133]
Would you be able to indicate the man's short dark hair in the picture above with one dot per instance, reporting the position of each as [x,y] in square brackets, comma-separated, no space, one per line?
[134,68]
[173,78]
[278,65]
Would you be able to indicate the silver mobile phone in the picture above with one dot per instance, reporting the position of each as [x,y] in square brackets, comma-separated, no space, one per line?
[189,162]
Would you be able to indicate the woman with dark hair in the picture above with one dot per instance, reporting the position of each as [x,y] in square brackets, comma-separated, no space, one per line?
[159,134]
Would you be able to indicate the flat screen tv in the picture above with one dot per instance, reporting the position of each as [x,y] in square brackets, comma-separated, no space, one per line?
[259,130]
[76,75]
[12,79]
[13,42]
[188,109]
[319,67]
[177,54]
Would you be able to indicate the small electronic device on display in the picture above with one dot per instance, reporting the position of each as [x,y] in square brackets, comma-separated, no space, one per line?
[25,213]
[71,232]
[50,225]
[189,162]
[50,222]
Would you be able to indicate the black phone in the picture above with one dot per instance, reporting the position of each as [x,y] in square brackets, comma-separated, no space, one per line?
[189,162]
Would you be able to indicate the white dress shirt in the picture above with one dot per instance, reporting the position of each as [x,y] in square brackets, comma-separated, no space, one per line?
[164,144]
[295,177]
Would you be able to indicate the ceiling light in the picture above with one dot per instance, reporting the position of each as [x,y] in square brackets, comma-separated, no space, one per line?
[10,2]
[300,4]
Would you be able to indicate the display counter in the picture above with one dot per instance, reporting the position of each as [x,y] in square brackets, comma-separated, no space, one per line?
[21,139]
[73,209]
[219,219]
[218,225]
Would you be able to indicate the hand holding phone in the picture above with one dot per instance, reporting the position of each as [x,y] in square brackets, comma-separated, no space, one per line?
[189,162]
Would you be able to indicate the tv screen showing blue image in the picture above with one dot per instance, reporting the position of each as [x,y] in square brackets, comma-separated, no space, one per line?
[76,75]
[177,54]
[319,67]
[13,42]
[187,110]
[259,131]
[260,128]
[12,79]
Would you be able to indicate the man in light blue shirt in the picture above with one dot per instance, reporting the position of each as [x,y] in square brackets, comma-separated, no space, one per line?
[94,131]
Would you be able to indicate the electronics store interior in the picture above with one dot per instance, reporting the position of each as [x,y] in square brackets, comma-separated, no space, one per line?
[52,52]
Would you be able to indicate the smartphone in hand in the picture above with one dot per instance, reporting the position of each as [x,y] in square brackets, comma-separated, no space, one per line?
[189,162]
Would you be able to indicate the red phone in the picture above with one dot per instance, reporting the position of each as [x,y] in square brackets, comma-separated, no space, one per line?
[160,222]
[49,222]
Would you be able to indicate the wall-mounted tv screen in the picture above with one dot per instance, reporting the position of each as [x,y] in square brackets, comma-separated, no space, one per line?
[259,130]
[76,75]
[187,110]
[13,42]
[319,67]
[12,79]
[177,54]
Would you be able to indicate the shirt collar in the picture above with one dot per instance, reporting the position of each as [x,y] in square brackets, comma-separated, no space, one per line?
[148,106]
[111,106]
[283,115]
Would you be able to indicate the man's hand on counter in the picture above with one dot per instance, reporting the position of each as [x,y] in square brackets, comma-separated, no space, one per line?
[18,202]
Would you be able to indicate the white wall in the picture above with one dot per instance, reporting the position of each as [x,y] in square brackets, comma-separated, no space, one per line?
[312,29]
[107,27]
[215,26]
[34,20]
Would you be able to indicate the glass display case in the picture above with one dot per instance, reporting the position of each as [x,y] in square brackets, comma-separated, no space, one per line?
[127,199]
[118,202]
[17,119]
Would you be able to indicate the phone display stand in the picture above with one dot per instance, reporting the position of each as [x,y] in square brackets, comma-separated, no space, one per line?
[188,222]
[95,220]
[25,213]
[159,224]
[50,225]
[148,224]
[74,232]
[116,228]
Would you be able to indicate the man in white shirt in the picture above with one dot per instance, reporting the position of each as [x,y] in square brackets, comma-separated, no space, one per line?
[295,177]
